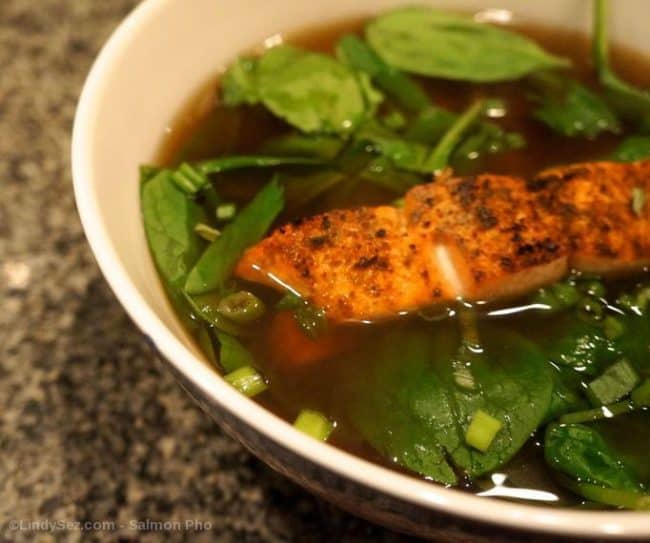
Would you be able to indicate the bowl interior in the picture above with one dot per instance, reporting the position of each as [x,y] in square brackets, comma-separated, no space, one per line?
[151,66]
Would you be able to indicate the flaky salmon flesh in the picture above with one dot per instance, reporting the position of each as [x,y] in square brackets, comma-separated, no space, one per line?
[485,237]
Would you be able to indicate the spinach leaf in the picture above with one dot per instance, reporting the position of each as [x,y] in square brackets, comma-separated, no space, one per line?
[248,227]
[631,102]
[439,44]
[581,453]
[232,354]
[311,91]
[169,219]
[571,109]
[484,137]
[430,125]
[300,190]
[237,162]
[355,53]
[239,84]
[579,346]
[410,407]
[632,149]
[296,144]
[380,171]
[416,157]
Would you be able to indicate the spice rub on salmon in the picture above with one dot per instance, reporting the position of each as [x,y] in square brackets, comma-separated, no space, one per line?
[497,240]
[484,237]
[358,264]
[606,234]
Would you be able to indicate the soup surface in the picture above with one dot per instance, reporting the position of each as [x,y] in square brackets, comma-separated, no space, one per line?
[391,388]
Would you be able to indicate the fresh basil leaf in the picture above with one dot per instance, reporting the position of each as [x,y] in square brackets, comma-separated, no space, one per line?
[169,219]
[632,149]
[581,453]
[311,91]
[232,353]
[251,223]
[631,102]
[410,407]
[355,52]
[571,109]
[438,44]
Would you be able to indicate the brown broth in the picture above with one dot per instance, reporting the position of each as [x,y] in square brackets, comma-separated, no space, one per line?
[204,129]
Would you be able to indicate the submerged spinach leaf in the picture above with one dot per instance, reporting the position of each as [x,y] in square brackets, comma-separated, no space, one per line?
[355,52]
[571,109]
[169,220]
[310,91]
[439,44]
[581,453]
[631,102]
[632,149]
[251,223]
[410,407]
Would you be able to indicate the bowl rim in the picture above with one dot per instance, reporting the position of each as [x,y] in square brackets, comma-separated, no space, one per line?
[558,521]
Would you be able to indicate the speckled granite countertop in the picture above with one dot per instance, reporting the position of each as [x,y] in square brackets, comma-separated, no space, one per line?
[91,427]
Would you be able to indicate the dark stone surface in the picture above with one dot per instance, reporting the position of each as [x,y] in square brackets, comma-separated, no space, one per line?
[91,426]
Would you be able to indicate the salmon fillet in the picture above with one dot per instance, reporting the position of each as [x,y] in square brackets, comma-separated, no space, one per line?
[358,264]
[476,238]
[606,236]
[498,241]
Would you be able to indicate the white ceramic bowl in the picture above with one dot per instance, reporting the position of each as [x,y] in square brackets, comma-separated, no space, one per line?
[147,70]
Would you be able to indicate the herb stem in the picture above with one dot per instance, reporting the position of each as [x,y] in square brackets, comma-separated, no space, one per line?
[439,158]
[600,45]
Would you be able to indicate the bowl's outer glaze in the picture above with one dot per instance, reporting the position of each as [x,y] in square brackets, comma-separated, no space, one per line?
[155,60]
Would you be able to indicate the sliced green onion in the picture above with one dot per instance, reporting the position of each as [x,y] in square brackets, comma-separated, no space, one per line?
[225,212]
[314,424]
[638,200]
[189,179]
[615,382]
[207,232]
[590,310]
[613,327]
[566,293]
[546,298]
[247,380]
[242,307]
[641,395]
[289,301]
[482,430]
[311,320]
[598,413]
[205,306]
[594,288]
